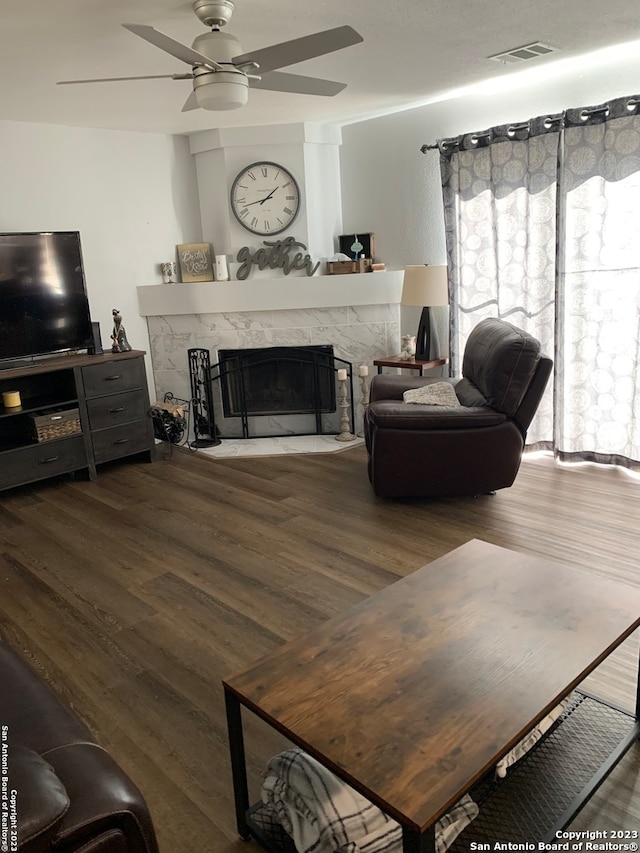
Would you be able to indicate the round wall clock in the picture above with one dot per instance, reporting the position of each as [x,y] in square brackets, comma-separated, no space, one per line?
[265,198]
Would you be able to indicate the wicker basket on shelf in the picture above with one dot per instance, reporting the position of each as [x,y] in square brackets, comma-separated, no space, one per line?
[58,424]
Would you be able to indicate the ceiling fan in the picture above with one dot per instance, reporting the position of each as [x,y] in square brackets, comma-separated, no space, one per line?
[222,73]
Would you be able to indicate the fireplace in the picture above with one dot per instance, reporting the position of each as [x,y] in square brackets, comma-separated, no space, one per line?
[283,380]
[360,317]
[358,314]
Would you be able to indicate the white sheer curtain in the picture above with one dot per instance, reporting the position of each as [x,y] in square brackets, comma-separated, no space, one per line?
[543,230]
[597,391]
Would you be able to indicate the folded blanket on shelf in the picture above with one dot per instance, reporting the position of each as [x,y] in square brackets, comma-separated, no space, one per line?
[324,815]
[530,740]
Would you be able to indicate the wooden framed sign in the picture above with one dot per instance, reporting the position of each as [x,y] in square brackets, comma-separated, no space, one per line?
[195,262]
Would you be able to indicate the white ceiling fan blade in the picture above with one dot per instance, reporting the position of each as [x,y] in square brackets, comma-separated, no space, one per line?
[297,50]
[277,81]
[118,79]
[190,103]
[169,45]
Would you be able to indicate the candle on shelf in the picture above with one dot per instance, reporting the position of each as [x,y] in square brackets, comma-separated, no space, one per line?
[11,399]
[363,370]
[342,374]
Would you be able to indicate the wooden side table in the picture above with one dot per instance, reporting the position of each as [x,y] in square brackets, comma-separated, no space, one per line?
[409,363]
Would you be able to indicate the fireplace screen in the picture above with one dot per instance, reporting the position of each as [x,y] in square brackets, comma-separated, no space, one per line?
[277,381]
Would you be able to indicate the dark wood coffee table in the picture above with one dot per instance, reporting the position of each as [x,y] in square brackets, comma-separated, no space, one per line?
[415,693]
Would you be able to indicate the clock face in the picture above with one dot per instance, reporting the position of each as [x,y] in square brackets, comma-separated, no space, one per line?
[265,198]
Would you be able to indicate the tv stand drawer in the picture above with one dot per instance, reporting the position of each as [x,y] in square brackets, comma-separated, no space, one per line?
[117,409]
[39,461]
[120,441]
[111,377]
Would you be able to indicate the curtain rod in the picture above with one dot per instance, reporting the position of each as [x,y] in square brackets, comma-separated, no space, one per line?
[582,115]
[511,131]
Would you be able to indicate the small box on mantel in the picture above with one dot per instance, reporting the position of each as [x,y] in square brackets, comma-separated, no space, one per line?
[344,267]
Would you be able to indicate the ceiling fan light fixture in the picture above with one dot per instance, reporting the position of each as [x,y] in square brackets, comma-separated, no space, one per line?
[219,46]
[221,90]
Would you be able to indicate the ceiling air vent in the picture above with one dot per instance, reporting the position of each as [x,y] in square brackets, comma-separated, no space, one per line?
[527,51]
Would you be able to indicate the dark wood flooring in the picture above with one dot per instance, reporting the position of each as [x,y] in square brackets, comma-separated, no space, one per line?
[136,594]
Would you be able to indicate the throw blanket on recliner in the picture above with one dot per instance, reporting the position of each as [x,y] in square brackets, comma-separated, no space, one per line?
[324,815]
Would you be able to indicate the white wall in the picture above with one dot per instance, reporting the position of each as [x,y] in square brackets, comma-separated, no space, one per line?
[390,188]
[132,197]
[323,199]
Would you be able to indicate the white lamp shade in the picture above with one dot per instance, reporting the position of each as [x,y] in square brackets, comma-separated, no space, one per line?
[426,286]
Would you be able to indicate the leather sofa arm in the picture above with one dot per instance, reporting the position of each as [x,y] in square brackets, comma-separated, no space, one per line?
[389,386]
[103,799]
[72,796]
[41,798]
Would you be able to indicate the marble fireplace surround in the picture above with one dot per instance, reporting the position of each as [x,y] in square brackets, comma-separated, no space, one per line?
[358,314]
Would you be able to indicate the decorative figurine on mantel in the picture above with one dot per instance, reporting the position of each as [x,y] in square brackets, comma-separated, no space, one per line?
[169,271]
[119,336]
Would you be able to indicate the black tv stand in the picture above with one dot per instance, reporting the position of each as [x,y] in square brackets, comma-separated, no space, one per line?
[98,407]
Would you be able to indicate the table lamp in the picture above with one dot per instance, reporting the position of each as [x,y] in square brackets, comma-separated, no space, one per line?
[425,286]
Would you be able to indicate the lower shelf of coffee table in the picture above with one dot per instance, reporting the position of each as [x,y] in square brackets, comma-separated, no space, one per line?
[540,795]
[546,789]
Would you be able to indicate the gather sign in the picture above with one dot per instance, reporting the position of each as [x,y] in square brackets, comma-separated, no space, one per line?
[277,254]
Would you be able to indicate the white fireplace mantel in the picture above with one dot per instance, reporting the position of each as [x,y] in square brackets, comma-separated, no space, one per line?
[271,294]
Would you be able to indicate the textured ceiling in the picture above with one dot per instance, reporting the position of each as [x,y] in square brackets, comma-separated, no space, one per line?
[412,50]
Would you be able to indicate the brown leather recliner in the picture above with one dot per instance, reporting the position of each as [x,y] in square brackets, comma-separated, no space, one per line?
[417,450]
[64,792]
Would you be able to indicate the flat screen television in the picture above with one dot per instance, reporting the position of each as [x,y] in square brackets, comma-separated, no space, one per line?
[43,299]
